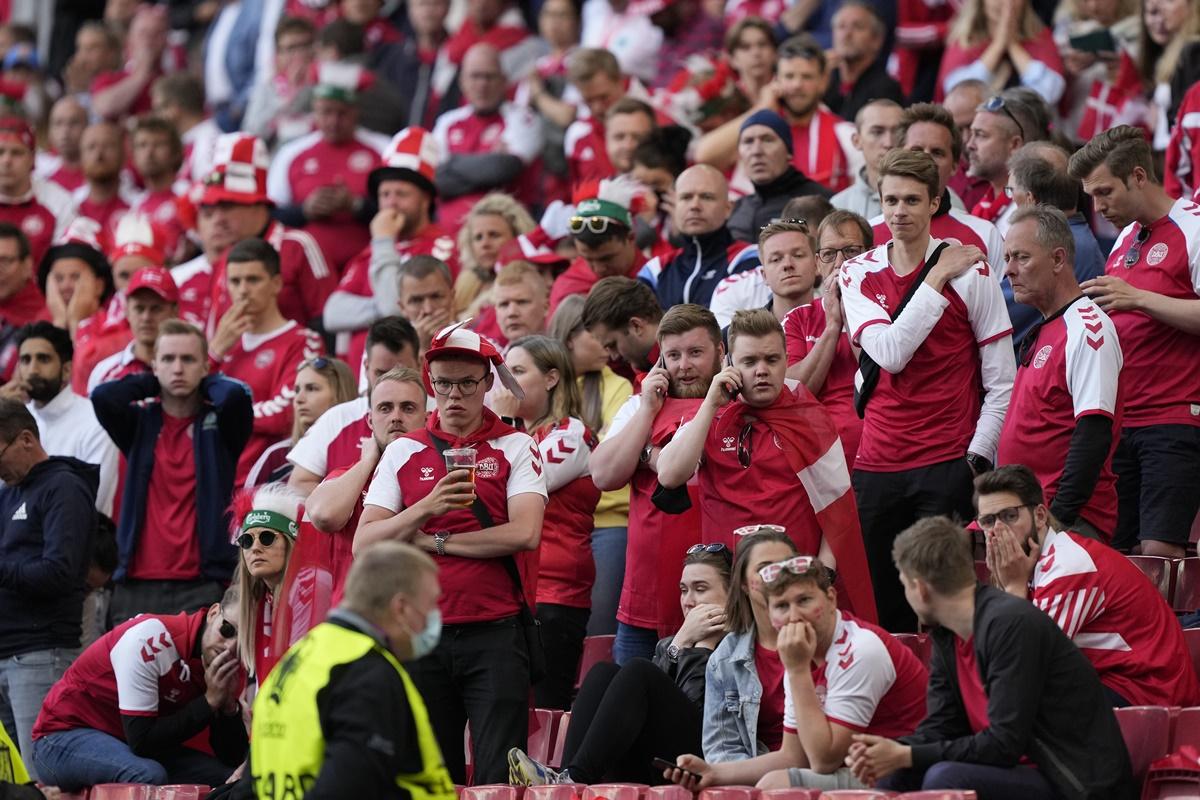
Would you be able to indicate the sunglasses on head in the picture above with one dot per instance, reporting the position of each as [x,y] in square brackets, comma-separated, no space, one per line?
[597,225]
[267,538]
[318,363]
[997,103]
[797,565]
[750,530]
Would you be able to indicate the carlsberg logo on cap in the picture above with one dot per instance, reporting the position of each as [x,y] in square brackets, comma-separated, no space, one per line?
[258,518]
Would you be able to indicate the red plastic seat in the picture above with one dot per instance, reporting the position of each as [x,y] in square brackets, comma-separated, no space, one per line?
[1187,728]
[940,794]
[1187,585]
[493,791]
[596,649]
[82,795]
[560,791]
[919,643]
[615,791]
[856,794]
[794,793]
[1160,571]
[181,792]
[541,737]
[121,791]
[729,793]
[669,792]
[560,741]
[1146,730]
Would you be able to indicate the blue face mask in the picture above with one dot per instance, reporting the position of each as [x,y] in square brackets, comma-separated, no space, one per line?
[424,642]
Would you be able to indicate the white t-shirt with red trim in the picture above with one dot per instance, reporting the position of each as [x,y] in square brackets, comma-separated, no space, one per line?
[950,388]
[1161,376]
[870,682]
[1117,618]
[473,589]
[1074,370]
[745,290]
[333,441]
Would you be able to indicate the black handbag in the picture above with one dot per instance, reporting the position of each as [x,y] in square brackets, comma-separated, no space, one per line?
[868,370]
[531,628]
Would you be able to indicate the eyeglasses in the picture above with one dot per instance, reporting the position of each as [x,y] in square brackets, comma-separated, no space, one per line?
[1006,515]
[1135,252]
[744,445]
[998,103]
[227,629]
[750,530]
[468,386]
[319,363]
[829,254]
[597,225]
[267,538]
[797,565]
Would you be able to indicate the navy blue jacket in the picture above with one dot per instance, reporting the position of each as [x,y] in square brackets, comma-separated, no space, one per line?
[131,411]
[46,525]
[691,273]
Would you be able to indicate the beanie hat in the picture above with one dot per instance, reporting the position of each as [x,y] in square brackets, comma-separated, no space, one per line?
[773,121]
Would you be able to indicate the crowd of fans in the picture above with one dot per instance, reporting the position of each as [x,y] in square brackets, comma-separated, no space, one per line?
[833,305]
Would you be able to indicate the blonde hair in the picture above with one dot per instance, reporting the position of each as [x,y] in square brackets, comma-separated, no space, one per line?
[1157,63]
[473,279]
[565,325]
[970,26]
[517,272]
[756,323]
[286,501]
[548,354]
[340,379]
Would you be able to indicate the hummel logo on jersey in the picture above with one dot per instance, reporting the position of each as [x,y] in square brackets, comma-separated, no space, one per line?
[426,473]
[20,514]
[727,444]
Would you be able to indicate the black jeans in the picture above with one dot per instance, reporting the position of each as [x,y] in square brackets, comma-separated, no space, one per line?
[563,631]
[134,597]
[623,718]
[479,672]
[889,502]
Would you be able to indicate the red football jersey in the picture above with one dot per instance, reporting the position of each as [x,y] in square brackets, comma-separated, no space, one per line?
[43,215]
[162,208]
[168,548]
[1161,380]
[1117,618]
[194,280]
[802,326]
[117,366]
[818,153]
[957,227]
[1074,370]
[587,155]
[332,443]
[566,570]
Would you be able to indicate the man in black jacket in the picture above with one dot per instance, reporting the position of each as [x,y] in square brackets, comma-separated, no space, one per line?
[1014,708]
[47,519]
[765,153]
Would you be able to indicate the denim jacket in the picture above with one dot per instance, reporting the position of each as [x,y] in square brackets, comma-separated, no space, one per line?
[731,701]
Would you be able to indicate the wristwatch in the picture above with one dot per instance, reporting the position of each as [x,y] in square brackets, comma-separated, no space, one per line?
[440,537]
[673,652]
[978,463]
[645,455]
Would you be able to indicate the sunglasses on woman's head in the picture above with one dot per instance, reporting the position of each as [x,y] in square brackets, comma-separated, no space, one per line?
[267,538]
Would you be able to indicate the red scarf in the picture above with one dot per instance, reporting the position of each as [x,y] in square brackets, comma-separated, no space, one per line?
[991,206]
[810,442]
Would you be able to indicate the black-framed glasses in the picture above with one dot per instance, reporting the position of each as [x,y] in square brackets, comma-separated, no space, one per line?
[829,254]
[998,103]
[227,629]
[1135,252]
[468,386]
[597,225]
[266,538]
[715,547]
[319,363]
[1008,516]
[745,445]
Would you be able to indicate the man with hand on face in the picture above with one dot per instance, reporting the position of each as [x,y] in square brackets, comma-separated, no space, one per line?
[340,717]
[776,438]
[181,449]
[426,296]
[710,253]
[625,317]
[151,298]
[484,524]
[843,676]
[67,421]
[257,345]
[1066,407]
[1014,708]
[124,710]
[403,228]
[1129,633]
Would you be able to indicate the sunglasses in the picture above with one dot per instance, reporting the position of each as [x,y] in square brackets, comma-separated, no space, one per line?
[997,103]
[797,565]
[227,629]
[1135,253]
[750,530]
[1006,515]
[715,547]
[597,225]
[318,363]
[792,221]
[744,446]
[267,538]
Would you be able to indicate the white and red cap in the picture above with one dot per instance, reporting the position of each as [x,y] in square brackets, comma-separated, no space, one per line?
[459,340]
[136,235]
[343,81]
[240,162]
[154,279]
[411,155]
[18,129]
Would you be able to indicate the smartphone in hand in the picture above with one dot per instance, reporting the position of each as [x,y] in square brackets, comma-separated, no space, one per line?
[734,392]
[663,764]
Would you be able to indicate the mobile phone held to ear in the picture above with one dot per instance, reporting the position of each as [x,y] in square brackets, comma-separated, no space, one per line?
[734,392]
[663,764]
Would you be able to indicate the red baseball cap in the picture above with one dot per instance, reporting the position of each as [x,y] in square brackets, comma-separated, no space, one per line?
[154,279]
[19,129]
[459,340]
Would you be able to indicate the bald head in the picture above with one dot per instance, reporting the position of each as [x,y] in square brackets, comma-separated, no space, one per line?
[482,81]
[701,200]
[961,102]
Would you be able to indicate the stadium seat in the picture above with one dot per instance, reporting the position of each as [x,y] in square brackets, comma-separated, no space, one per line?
[82,794]
[181,792]
[494,791]
[1187,585]
[795,793]
[1147,731]
[729,793]
[560,741]
[560,791]
[541,737]
[669,792]
[615,791]
[1192,637]
[1187,728]
[596,649]
[939,794]
[1160,571]
[919,643]
[121,791]
[856,794]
